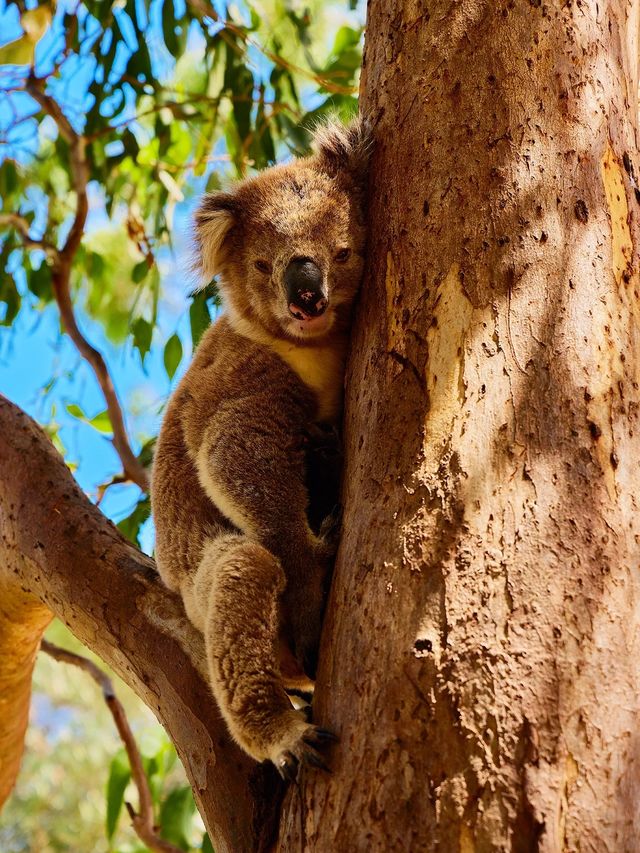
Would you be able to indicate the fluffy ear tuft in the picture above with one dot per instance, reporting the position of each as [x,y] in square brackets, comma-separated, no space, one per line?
[344,148]
[214,217]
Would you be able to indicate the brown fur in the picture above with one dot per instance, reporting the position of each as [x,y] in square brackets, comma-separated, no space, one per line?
[229,493]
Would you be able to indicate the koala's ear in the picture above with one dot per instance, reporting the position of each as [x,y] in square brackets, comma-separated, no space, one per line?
[214,218]
[344,148]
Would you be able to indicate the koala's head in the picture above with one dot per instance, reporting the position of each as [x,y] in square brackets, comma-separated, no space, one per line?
[289,243]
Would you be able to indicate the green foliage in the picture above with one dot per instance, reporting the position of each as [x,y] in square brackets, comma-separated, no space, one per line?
[132,524]
[172,355]
[174,806]
[119,777]
[176,815]
[76,776]
[199,315]
[101,422]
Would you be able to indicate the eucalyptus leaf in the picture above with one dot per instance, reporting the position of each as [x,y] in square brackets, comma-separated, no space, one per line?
[199,317]
[142,332]
[119,776]
[175,817]
[172,355]
[102,422]
[130,526]
[10,296]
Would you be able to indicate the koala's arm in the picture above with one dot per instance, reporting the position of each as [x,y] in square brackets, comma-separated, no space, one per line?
[251,462]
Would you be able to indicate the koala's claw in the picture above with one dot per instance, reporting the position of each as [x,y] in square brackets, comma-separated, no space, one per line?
[311,757]
[330,528]
[287,766]
[319,736]
[305,752]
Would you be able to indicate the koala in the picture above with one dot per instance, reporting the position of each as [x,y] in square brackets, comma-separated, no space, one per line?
[244,467]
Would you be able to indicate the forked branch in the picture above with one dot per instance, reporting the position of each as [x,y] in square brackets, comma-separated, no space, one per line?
[21,224]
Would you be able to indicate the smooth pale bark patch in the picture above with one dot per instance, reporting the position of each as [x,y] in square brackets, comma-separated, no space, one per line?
[446,336]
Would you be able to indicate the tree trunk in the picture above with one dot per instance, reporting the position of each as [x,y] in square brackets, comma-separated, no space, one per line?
[480,655]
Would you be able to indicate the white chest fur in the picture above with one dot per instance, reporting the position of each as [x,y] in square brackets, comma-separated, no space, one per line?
[320,367]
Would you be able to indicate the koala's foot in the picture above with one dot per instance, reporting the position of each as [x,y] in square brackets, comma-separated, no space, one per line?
[301,747]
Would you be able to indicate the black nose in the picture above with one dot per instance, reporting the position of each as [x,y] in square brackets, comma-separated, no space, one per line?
[305,294]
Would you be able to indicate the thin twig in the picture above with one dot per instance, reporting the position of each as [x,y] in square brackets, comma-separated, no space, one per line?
[143,822]
[21,224]
[61,277]
[78,156]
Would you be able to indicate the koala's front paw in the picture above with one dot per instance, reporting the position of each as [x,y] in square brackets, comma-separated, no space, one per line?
[302,748]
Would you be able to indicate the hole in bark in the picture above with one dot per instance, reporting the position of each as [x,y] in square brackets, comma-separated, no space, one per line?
[595,430]
[581,211]
[422,645]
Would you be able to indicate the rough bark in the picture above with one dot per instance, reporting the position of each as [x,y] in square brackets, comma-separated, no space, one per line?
[59,554]
[480,656]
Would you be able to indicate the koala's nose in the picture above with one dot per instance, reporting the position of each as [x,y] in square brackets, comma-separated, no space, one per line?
[306,296]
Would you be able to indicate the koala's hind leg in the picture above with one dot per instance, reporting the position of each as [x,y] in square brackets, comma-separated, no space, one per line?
[235,599]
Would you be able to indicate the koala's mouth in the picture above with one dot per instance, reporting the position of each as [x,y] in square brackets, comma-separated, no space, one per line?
[309,307]
[302,325]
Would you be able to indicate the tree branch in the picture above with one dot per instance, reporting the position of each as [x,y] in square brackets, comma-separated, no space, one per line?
[21,224]
[59,554]
[143,821]
[132,467]
[61,277]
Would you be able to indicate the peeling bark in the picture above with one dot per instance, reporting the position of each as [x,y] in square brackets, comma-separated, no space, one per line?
[59,554]
[480,657]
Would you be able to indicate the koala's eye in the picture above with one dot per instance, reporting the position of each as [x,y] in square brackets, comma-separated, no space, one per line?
[263,266]
[343,255]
